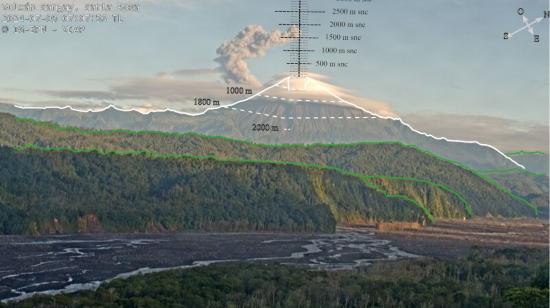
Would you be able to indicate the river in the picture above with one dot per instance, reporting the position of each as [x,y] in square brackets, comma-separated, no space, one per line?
[64,264]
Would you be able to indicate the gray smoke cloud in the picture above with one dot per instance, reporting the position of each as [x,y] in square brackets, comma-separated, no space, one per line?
[252,42]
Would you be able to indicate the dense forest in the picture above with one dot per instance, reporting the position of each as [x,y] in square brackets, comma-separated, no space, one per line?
[531,186]
[49,191]
[429,180]
[484,278]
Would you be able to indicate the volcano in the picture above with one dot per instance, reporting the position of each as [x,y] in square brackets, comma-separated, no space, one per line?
[285,113]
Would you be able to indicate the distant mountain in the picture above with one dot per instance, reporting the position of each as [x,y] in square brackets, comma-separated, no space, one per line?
[532,187]
[534,162]
[310,123]
[445,189]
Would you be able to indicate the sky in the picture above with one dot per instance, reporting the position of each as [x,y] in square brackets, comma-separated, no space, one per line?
[426,59]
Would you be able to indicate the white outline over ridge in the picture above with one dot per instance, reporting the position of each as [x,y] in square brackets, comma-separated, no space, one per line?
[260,93]
[417,131]
[139,110]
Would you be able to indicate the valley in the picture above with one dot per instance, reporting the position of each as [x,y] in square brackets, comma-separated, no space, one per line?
[50,265]
[61,264]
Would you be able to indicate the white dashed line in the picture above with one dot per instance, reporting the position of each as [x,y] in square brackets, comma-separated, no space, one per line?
[278,84]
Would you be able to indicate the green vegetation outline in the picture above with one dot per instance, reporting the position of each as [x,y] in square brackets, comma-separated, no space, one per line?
[364,178]
[511,171]
[467,206]
[259,145]
[522,152]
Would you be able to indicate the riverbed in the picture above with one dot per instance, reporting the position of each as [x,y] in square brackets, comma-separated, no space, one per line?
[64,264]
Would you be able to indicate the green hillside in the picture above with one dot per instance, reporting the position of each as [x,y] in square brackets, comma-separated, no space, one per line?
[50,191]
[433,182]
[530,186]
[534,161]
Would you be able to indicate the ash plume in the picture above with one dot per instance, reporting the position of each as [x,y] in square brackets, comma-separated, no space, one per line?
[252,42]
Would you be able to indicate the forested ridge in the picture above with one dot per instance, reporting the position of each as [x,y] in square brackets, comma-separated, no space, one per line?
[438,184]
[531,186]
[52,191]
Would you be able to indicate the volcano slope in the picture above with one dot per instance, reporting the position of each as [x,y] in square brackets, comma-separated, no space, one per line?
[299,122]
[445,188]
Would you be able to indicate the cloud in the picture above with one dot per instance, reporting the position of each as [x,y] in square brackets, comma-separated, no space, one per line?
[376,106]
[168,88]
[177,89]
[505,134]
[194,73]
[93,95]
[77,103]
[161,91]
[252,42]
[317,90]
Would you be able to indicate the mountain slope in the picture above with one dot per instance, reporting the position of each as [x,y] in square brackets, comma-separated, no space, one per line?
[534,162]
[299,122]
[50,191]
[395,162]
[532,187]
